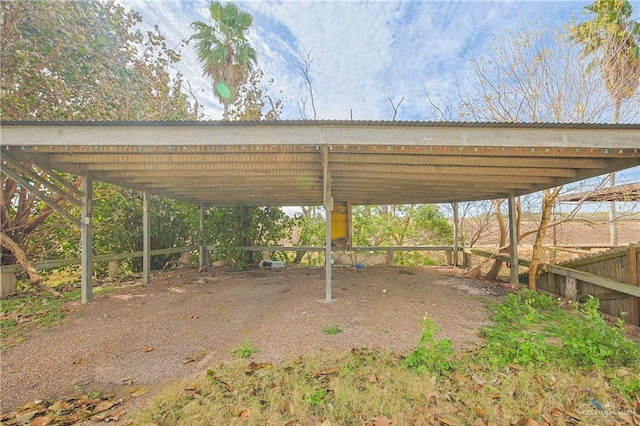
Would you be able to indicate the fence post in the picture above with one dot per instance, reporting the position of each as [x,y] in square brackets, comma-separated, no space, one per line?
[633,279]
[114,268]
[448,257]
[8,284]
[467,261]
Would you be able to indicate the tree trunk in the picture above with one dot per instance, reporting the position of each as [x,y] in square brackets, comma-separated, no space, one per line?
[34,278]
[548,200]
[497,264]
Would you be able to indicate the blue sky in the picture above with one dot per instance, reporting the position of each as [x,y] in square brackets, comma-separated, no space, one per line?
[363,53]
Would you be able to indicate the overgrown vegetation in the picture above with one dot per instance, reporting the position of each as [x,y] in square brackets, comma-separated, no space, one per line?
[531,327]
[542,362]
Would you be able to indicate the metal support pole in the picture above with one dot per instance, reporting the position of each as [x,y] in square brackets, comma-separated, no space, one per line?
[86,240]
[513,238]
[456,231]
[328,206]
[201,250]
[146,237]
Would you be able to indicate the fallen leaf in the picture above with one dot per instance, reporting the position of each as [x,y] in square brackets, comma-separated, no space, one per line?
[103,406]
[187,360]
[479,411]
[445,421]
[147,349]
[254,366]
[245,415]
[627,418]
[78,361]
[573,415]
[622,372]
[137,391]
[116,416]
[381,421]
[193,387]
[41,421]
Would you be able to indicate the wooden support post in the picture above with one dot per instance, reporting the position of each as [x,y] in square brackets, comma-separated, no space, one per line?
[113,270]
[86,240]
[328,206]
[455,233]
[513,237]
[146,237]
[633,278]
[202,250]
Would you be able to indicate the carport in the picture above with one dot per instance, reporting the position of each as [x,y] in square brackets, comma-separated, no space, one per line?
[304,163]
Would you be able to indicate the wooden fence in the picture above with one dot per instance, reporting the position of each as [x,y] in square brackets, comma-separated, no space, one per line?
[8,282]
[612,277]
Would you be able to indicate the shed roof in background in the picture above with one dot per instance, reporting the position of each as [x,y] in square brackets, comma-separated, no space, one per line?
[282,163]
[622,193]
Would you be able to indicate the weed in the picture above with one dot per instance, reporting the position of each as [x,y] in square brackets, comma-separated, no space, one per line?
[316,398]
[245,350]
[334,329]
[431,355]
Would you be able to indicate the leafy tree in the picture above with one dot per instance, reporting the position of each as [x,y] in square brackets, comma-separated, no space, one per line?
[118,224]
[400,225]
[224,51]
[233,228]
[71,60]
[310,225]
[611,41]
[250,103]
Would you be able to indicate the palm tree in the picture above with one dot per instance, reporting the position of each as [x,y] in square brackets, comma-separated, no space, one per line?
[224,51]
[612,41]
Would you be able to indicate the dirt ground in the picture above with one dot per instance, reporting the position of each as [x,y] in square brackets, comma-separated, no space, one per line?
[185,321]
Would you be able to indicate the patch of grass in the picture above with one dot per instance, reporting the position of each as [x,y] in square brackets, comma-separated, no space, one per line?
[334,329]
[246,350]
[19,316]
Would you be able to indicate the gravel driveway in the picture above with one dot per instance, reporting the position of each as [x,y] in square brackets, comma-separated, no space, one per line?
[186,320]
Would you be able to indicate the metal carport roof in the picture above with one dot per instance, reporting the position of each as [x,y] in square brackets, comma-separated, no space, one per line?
[294,163]
[283,163]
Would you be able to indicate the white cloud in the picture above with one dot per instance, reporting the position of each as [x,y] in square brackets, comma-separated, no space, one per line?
[363,53]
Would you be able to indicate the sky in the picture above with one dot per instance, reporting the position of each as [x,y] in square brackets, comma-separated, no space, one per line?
[365,57]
